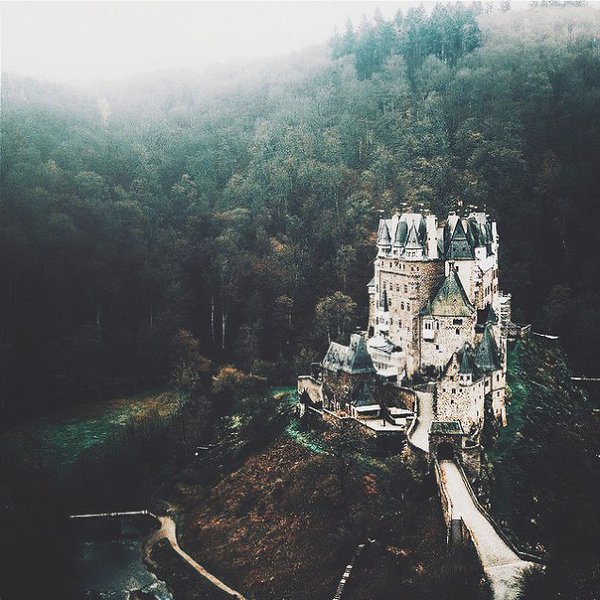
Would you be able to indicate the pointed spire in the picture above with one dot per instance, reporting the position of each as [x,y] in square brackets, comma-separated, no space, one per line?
[412,240]
[459,246]
[401,233]
[383,235]
[466,364]
[487,355]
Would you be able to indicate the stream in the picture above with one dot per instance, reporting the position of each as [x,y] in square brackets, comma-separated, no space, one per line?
[108,560]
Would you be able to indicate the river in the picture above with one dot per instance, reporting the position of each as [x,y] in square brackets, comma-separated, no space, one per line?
[109,560]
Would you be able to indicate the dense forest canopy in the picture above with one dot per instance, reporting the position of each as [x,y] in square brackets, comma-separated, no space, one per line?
[240,203]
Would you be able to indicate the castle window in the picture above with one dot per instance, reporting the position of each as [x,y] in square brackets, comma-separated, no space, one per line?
[397,287]
[406,289]
[402,305]
[457,321]
[437,346]
[454,390]
[407,306]
[457,268]
[457,331]
[438,325]
[385,285]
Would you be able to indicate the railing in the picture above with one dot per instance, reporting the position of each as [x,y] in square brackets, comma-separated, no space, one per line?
[347,572]
[127,513]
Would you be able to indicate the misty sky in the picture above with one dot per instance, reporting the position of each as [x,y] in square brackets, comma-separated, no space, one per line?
[82,42]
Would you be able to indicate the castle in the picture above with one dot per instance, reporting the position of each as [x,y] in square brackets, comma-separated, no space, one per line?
[435,338]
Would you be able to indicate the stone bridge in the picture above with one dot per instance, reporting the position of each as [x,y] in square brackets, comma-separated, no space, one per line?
[466,520]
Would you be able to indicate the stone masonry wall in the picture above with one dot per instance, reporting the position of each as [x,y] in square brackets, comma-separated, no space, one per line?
[409,285]
[464,403]
[449,335]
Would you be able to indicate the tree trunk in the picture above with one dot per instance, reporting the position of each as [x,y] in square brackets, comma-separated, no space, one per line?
[223,325]
[212,318]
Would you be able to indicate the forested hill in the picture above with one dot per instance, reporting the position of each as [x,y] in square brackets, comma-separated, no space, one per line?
[240,203]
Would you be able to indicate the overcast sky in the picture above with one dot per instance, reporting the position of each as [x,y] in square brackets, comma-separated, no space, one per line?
[82,42]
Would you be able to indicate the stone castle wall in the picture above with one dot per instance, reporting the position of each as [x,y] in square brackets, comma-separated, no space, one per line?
[408,285]
[449,335]
[458,402]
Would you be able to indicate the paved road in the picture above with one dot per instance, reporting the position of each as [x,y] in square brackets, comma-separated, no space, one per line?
[501,565]
[419,436]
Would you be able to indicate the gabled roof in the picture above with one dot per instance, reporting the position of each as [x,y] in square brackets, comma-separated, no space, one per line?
[353,359]
[451,300]
[487,355]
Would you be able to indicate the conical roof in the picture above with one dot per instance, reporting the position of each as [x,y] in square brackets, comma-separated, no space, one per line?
[412,240]
[383,234]
[467,364]
[459,246]
[487,355]
[401,233]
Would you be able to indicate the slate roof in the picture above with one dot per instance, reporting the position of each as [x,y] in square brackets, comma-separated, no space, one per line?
[401,233]
[462,236]
[409,229]
[383,344]
[352,359]
[486,316]
[467,363]
[487,355]
[450,300]
[383,234]
[363,396]
[458,246]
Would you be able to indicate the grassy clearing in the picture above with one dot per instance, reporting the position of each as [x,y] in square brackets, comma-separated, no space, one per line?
[60,438]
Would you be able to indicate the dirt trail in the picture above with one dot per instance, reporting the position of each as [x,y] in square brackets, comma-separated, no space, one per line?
[168,531]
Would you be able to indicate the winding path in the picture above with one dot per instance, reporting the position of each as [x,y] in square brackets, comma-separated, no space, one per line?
[502,566]
[419,436]
[168,531]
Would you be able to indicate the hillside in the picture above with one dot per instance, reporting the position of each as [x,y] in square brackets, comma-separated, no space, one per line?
[280,526]
[545,482]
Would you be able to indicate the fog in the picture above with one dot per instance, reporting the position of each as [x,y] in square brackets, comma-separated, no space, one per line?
[87,42]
